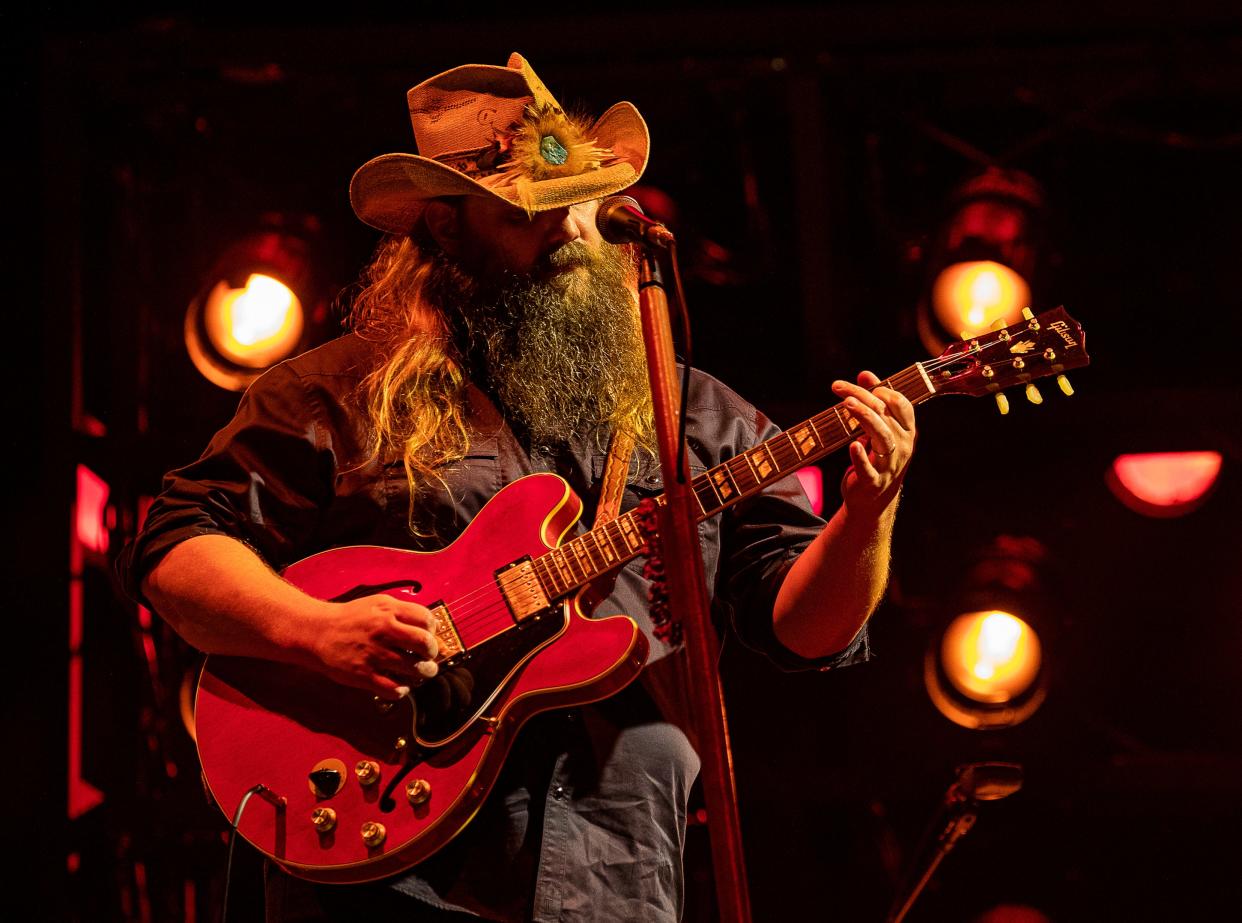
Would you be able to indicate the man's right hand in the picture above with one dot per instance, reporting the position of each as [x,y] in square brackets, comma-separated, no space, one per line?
[222,598]
[377,643]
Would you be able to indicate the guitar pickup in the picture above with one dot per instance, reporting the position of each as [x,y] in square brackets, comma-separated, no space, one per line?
[521,589]
[446,633]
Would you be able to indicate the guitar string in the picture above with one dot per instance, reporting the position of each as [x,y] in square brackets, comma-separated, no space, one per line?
[494,614]
[473,618]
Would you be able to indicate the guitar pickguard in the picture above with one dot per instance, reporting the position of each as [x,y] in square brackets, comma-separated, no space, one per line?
[466,685]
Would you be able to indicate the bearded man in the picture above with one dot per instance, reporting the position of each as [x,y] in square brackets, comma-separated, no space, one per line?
[497,336]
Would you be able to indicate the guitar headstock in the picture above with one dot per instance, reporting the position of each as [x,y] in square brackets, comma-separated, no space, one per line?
[1051,343]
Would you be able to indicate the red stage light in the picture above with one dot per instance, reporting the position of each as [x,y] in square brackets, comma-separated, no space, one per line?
[813,483]
[91,510]
[1164,484]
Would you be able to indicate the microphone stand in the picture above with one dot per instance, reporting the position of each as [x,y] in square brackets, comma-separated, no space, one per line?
[975,782]
[683,563]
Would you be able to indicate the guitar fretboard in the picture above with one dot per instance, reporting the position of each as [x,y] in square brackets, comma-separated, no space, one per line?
[576,563]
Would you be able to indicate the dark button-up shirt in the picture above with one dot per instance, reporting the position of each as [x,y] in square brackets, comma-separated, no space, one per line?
[588,817]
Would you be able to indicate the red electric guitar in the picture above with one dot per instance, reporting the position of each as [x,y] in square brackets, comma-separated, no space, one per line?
[354,789]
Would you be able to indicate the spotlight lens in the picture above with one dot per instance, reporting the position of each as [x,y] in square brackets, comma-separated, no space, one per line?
[255,326]
[970,297]
[1164,483]
[260,311]
[991,656]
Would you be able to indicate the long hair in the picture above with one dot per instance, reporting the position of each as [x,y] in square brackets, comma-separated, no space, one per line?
[415,399]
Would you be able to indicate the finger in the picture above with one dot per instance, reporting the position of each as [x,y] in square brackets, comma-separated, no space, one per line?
[899,407]
[883,440]
[387,688]
[415,615]
[863,469]
[846,389]
[415,640]
[868,380]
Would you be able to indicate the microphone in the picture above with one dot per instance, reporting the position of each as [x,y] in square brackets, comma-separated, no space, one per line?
[620,220]
[985,781]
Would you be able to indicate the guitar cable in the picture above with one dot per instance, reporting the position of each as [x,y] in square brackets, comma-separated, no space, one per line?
[280,803]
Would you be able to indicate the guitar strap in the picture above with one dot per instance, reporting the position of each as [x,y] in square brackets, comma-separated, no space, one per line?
[616,469]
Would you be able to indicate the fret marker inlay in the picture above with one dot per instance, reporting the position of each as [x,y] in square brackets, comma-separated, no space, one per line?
[759,459]
[806,440]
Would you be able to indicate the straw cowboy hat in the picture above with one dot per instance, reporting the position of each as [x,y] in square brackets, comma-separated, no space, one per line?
[497,132]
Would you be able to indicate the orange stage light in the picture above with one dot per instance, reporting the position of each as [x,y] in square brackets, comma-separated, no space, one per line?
[971,296]
[986,671]
[249,315]
[254,326]
[1164,484]
[982,261]
[990,656]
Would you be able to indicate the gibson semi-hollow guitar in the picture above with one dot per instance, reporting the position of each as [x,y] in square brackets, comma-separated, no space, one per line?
[356,789]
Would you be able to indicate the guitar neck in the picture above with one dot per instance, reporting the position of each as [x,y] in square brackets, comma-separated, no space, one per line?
[576,563]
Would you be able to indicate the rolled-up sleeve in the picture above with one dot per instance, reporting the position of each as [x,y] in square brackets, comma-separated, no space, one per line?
[262,480]
[760,540]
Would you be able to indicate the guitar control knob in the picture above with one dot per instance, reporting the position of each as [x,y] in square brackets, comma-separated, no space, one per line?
[1033,395]
[327,777]
[373,834]
[418,791]
[324,819]
[367,771]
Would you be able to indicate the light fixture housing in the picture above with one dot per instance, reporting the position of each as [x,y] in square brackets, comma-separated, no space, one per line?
[250,314]
[985,668]
[983,260]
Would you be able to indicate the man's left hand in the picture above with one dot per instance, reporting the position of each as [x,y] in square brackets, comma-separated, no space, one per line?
[879,457]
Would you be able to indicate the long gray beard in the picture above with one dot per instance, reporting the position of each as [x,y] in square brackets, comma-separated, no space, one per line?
[562,353]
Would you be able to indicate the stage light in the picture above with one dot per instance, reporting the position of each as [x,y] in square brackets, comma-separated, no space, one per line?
[983,259]
[985,669]
[1164,484]
[990,656]
[91,510]
[812,480]
[971,296]
[254,326]
[250,314]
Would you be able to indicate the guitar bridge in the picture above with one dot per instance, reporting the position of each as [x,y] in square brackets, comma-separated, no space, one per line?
[521,589]
[446,633]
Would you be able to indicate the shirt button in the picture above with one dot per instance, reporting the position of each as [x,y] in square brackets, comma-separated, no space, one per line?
[559,792]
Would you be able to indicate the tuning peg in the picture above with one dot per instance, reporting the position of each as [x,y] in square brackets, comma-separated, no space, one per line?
[1033,395]
[1066,388]
[998,324]
[1028,314]
[1002,403]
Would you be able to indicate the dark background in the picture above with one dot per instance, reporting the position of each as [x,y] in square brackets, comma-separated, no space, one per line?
[811,148]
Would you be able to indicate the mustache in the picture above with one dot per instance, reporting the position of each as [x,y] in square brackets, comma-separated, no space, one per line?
[571,255]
